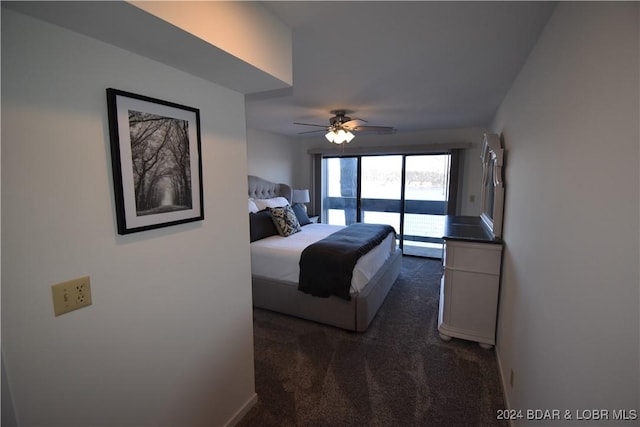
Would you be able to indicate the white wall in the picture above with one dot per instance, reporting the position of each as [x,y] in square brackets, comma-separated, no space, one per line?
[244,29]
[569,317]
[168,339]
[272,157]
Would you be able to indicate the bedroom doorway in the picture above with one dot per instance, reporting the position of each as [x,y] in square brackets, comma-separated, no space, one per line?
[410,192]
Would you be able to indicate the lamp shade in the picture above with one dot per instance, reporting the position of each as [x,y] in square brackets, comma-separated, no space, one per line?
[300,196]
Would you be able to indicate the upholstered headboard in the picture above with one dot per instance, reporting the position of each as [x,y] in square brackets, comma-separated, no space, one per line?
[262,189]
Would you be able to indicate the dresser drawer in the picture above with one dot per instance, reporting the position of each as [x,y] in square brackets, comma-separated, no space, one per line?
[472,257]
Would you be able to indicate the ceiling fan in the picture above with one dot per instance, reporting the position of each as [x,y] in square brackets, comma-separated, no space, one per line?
[341,127]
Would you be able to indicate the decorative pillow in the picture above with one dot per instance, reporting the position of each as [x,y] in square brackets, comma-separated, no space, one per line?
[274,202]
[252,206]
[285,220]
[261,226]
[301,214]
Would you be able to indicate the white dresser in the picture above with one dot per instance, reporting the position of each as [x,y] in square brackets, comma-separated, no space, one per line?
[470,283]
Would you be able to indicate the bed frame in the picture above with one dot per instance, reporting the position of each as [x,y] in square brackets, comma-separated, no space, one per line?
[284,297]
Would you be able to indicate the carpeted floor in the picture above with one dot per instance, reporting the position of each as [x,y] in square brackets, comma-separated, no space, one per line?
[397,373]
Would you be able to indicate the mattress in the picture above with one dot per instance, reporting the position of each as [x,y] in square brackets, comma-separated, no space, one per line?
[278,257]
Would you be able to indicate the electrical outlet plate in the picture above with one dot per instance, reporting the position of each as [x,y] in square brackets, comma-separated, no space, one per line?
[71,295]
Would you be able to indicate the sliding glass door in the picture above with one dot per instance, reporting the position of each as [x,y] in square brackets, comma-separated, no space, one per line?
[426,180]
[381,195]
[340,190]
[408,192]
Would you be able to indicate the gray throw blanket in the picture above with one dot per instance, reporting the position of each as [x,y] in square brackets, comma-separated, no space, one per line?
[326,267]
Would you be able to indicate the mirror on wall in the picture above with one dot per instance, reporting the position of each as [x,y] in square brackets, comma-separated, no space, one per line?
[492,206]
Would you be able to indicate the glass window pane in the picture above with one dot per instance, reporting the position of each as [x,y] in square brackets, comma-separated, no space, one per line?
[390,218]
[382,177]
[427,177]
[426,194]
[382,190]
[335,217]
[339,202]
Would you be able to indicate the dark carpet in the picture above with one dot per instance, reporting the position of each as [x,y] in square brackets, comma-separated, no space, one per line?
[397,373]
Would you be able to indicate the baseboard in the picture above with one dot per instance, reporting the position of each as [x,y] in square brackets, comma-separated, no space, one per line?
[244,409]
[504,383]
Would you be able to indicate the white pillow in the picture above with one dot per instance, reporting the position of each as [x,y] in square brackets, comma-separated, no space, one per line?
[276,202]
[252,206]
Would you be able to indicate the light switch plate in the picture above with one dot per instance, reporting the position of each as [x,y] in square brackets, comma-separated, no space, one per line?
[71,295]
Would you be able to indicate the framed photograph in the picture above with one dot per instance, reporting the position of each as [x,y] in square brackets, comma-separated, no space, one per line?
[156,160]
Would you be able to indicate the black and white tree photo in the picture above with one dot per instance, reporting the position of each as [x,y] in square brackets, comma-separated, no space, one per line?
[161,163]
[156,160]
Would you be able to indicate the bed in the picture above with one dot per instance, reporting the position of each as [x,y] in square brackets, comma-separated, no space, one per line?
[275,270]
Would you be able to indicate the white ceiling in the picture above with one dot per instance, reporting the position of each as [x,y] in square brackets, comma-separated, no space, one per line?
[416,65]
[411,65]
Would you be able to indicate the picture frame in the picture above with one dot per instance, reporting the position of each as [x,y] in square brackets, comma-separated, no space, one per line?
[156,161]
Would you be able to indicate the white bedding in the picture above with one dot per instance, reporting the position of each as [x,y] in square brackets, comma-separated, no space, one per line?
[277,257]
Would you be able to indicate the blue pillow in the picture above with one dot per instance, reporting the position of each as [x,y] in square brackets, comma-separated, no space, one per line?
[301,214]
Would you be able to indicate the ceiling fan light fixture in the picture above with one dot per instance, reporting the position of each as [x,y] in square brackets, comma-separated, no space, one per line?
[349,136]
[339,136]
[330,136]
[340,127]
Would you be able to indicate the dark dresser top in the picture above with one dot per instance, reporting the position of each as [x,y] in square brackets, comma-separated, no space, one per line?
[467,228]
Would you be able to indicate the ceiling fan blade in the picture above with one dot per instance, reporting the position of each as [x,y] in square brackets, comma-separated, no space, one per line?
[312,131]
[352,124]
[309,124]
[374,129]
